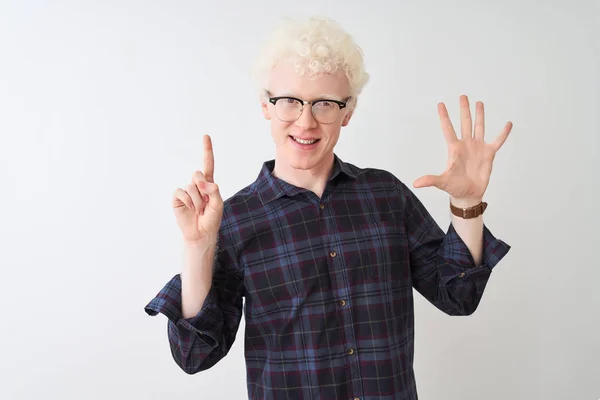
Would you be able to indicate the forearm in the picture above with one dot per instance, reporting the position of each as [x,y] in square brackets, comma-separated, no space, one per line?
[196,277]
[469,230]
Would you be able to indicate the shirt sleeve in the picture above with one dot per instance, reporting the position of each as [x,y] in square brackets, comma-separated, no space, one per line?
[442,267]
[199,342]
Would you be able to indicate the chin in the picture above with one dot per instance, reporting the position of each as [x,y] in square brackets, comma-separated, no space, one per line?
[298,160]
[302,162]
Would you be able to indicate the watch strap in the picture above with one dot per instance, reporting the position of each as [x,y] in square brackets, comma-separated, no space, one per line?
[470,212]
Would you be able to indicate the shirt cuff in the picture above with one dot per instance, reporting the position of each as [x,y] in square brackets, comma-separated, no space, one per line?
[206,324]
[458,256]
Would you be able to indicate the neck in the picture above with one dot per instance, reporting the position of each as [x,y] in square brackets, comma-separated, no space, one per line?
[313,179]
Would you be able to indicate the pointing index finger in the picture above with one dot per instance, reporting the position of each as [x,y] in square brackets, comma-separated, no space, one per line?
[209,160]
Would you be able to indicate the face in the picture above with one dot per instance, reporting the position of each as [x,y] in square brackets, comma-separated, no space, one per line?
[285,82]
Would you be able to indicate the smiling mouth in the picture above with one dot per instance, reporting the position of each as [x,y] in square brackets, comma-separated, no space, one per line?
[305,142]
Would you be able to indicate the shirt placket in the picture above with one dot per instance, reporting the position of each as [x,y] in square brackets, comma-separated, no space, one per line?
[341,289]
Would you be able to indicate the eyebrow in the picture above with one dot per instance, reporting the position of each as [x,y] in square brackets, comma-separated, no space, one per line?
[323,96]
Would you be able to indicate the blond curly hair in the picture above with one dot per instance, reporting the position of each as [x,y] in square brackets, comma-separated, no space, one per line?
[317,45]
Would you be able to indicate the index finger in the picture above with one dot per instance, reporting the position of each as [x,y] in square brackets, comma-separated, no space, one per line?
[447,127]
[209,160]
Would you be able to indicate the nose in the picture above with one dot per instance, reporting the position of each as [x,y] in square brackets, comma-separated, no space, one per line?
[306,119]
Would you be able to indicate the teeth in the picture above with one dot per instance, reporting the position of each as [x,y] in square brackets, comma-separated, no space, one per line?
[301,141]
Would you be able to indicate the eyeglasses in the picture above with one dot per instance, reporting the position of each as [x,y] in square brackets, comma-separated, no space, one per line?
[325,111]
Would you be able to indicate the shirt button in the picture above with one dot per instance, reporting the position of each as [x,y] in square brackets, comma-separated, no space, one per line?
[332,254]
[350,350]
[322,206]
[462,275]
[342,302]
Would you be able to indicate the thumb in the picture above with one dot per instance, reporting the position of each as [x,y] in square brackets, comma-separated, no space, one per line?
[428,180]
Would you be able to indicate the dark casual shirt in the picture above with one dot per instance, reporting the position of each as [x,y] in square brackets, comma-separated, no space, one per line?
[328,286]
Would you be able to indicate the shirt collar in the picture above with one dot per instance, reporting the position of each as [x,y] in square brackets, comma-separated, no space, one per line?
[270,187]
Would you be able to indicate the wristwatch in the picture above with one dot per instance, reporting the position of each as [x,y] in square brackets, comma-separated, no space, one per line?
[470,212]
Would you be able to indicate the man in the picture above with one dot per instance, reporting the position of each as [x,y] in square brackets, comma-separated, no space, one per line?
[325,253]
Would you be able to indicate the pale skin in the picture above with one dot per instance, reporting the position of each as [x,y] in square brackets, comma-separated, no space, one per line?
[199,207]
[305,169]
[468,171]
[198,210]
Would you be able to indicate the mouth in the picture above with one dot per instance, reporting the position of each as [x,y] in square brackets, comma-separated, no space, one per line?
[305,142]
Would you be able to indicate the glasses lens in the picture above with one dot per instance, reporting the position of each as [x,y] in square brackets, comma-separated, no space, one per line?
[326,112]
[288,110]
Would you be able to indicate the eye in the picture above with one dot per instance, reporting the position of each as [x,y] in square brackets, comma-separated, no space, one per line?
[325,104]
[288,102]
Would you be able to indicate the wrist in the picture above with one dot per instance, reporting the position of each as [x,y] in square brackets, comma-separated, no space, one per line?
[200,245]
[465,202]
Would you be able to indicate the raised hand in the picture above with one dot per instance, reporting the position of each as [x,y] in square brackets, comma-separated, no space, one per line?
[199,208]
[470,158]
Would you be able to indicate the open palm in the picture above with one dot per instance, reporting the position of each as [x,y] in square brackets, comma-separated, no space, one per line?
[470,158]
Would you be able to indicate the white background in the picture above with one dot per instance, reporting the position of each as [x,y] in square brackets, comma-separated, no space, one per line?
[102,110]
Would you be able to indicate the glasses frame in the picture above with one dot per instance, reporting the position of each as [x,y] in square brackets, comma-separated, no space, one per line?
[341,104]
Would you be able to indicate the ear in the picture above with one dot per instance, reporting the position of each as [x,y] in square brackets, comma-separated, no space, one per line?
[264,106]
[347,117]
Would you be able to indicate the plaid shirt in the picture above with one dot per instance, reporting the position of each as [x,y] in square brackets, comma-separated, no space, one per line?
[327,285]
